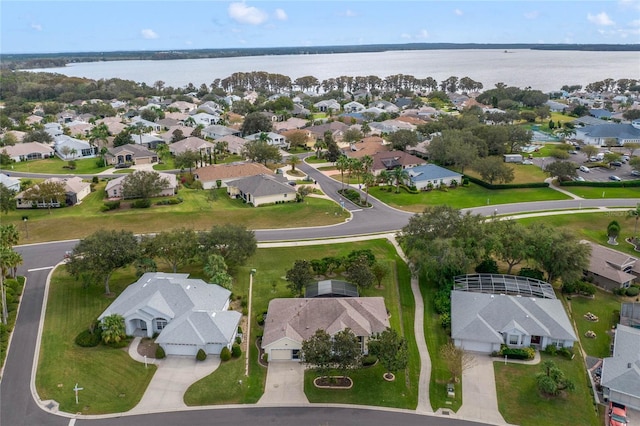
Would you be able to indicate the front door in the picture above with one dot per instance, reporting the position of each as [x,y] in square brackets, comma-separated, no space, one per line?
[535,340]
[143,325]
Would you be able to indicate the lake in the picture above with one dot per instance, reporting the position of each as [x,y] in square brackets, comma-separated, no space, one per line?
[544,70]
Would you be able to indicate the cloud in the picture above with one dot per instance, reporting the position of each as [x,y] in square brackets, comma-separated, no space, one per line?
[635,23]
[634,4]
[601,19]
[420,35]
[350,13]
[36,27]
[149,34]
[281,15]
[458,12]
[532,15]
[244,14]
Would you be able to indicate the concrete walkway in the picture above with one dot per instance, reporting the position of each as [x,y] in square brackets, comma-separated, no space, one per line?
[172,379]
[285,384]
[564,191]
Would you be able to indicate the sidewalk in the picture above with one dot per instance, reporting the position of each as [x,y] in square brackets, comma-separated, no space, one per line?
[564,191]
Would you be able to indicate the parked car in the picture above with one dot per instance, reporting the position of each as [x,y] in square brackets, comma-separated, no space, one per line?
[573,152]
[584,169]
[635,173]
[527,162]
[121,166]
[625,158]
[292,182]
[616,163]
[614,177]
[579,179]
[617,414]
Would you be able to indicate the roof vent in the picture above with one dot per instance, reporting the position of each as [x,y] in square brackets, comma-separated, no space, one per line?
[629,365]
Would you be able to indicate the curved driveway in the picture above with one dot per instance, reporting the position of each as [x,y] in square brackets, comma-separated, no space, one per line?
[18,408]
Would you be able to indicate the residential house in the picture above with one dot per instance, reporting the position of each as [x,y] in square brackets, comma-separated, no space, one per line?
[384,105]
[141,122]
[192,143]
[217,131]
[370,146]
[79,128]
[291,321]
[290,124]
[131,154]
[429,176]
[75,190]
[167,136]
[235,144]
[28,151]
[329,105]
[620,378]
[182,106]
[353,106]
[273,139]
[210,175]
[11,183]
[262,189]
[600,113]
[300,111]
[337,129]
[630,314]
[600,135]
[390,126]
[114,186]
[114,124]
[187,314]
[205,119]
[555,106]
[611,269]
[69,148]
[482,322]
[391,160]
[33,119]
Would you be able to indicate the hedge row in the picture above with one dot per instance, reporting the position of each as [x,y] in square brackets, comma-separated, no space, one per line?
[507,185]
[611,184]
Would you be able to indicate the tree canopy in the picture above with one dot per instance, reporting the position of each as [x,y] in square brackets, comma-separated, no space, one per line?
[391,350]
[299,276]
[261,151]
[235,243]
[143,184]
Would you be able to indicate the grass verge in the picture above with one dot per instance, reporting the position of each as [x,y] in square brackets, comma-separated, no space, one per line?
[520,402]
[112,382]
[14,287]
[597,192]
[55,166]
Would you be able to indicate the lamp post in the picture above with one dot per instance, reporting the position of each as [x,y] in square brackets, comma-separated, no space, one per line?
[25,219]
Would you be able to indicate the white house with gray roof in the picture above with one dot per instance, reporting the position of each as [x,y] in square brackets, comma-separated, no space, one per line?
[600,134]
[262,189]
[422,176]
[189,314]
[621,372]
[290,321]
[482,322]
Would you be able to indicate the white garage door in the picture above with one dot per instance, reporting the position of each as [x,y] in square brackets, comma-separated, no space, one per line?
[280,354]
[476,346]
[180,349]
[214,348]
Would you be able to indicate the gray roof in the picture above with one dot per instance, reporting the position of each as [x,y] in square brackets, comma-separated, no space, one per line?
[136,150]
[482,317]
[621,372]
[262,185]
[331,288]
[431,172]
[298,319]
[620,131]
[193,308]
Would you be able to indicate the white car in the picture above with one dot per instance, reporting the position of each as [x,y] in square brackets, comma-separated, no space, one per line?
[527,162]
[579,179]
[584,169]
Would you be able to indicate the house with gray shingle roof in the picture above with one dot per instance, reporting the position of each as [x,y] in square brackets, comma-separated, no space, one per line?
[210,175]
[11,183]
[422,176]
[621,372]
[217,131]
[262,189]
[482,322]
[600,135]
[290,321]
[189,314]
[611,269]
[27,151]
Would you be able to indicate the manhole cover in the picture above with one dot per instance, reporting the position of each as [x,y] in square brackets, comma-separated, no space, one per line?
[50,405]
[445,412]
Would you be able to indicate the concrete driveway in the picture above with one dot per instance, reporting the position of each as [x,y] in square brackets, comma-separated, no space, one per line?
[285,384]
[479,399]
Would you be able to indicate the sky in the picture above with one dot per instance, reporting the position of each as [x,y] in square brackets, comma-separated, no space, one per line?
[52,26]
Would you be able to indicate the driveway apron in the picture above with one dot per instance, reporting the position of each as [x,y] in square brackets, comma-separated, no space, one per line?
[285,384]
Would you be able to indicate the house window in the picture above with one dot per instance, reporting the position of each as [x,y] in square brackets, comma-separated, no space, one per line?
[295,354]
[161,324]
[514,339]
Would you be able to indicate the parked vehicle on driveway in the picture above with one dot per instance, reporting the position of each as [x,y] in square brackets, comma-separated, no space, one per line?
[617,414]
[584,169]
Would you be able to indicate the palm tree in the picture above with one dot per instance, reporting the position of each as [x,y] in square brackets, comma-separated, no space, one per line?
[385,177]
[163,151]
[399,175]
[219,147]
[342,164]
[292,161]
[9,260]
[613,230]
[365,129]
[320,145]
[99,133]
[635,213]
[368,179]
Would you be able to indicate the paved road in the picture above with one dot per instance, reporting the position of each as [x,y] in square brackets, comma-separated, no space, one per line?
[17,406]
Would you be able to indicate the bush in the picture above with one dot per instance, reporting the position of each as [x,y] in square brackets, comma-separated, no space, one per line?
[143,203]
[566,352]
[265,357]
[632,291]
[551,350]
[487,266]
[201,355]
[369,360]
[260,319]
[95,179]
[110,205]
[517,353]
[87,339]
[442,301]
[160,352]
[445,321]
[532,273]
[225,355]
[236,351]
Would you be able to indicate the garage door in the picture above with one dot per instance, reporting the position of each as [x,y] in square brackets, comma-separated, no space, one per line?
[476,346]
[180,349]
[280,354]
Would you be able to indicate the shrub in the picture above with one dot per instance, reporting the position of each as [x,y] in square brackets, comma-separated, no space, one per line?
[445,321]
[95,179]
[87,339]
[265,357]
[531,273]
[632,291]
[143,203]
[369,360]
[566,352]
[201,355]
[260,319]
[160,352]
[238,339]
[110,205]
[487,266]
[551,350]
[569,287]
[225,355]
[236,351]
[442,301]
[517,353]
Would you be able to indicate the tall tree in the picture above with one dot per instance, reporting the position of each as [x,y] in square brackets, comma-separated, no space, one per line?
[494,169]
[347,350]
[143,184]
[293,161]
[342,164]
[358,271]
[564,170]
[299,276]
[177,247]
[186,160]
[256,122]
[99,255]
[233,242]
[510,242]
[402,139]
[456,360]
[261,152]
[216,270]
[391,350]
[317,351]
[49,192]
[7,199]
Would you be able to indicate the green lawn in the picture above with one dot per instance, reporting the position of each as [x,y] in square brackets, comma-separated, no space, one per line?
[597,192]
[196,212]
[271,266]
[112,382]
[315,160]
[437,337]
[55,166]
[522,173]
[520,403]
[463,197]
[607,307]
